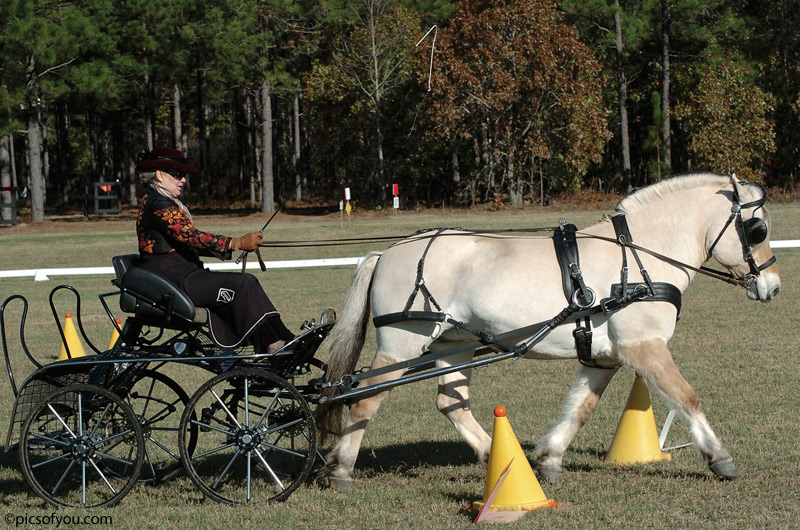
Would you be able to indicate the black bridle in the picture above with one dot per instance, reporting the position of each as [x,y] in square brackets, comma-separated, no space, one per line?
[751,232]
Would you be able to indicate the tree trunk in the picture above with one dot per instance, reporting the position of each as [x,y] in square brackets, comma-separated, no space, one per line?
[381,161]
[622,91]
[150,119]
[456,173]
[666,22]
[296,160]
[267,174]
[178,138]
[45,156]
[202,136]
[5,176]
[62,150]
[514,185]
[14,181]
[36,178]
[252,173]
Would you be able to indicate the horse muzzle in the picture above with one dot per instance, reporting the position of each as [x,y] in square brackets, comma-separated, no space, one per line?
[764,287]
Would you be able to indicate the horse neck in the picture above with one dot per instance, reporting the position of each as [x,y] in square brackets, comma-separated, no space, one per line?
[679,225]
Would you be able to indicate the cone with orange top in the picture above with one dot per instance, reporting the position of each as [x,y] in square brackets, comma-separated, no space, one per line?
[114,334]
[510,482]
[73,342]
[636,439]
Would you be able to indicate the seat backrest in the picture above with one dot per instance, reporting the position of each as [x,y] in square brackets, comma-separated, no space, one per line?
[123,264]
[149,295]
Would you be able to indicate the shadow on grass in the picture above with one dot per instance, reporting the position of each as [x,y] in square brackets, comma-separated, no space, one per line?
[405,459]
[9,465]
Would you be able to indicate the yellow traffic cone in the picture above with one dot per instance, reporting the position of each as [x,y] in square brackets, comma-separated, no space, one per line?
[519,490]
[114,335]
[74,343]
[636,439]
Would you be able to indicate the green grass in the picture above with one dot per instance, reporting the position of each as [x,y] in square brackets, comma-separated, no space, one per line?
[414,471]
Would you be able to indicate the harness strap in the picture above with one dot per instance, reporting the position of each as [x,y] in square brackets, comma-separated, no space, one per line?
[625,238]
[621,295]
[424,316]
[419,284]
[566,247]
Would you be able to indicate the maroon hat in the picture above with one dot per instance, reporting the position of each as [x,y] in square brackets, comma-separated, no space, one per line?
[163,158]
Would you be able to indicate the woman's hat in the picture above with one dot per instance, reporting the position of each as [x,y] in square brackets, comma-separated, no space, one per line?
[163,158]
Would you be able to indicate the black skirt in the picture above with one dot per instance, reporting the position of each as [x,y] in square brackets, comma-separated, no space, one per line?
[236,303]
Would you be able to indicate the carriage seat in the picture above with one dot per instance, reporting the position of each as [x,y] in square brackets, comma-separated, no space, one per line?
[152,297]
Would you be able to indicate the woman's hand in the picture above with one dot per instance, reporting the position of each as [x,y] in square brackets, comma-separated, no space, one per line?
[248,242]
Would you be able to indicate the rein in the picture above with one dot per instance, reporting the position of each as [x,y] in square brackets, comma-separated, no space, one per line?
[706,271]
[359,240]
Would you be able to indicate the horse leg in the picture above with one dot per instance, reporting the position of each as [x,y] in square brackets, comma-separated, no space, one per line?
[581,402]
[653,360]
[342,458]
[453,402]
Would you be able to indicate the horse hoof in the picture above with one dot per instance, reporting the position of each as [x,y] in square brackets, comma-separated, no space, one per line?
[340,483]
[551,474]
[724,470]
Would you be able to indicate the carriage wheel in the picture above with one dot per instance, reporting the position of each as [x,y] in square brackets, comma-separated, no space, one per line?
[158,402]
[81,446]
[257,440]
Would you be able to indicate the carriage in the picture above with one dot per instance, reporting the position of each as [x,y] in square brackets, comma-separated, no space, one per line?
[88,429]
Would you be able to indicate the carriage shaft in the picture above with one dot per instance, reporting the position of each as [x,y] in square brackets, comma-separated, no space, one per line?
[522,349]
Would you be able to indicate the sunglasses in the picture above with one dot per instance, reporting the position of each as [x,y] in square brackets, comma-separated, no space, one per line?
[177,175]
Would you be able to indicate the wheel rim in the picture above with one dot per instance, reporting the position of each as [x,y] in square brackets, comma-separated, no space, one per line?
[81,446]
[256,438]
[158,403]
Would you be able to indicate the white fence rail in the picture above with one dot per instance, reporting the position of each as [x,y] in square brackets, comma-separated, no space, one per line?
[44,274]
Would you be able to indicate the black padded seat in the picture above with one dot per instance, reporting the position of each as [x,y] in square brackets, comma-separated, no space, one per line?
[151,296]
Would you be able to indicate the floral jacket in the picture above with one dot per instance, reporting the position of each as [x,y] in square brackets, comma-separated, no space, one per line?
[162,228]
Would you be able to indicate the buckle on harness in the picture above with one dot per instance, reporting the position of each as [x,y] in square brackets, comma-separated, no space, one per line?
[586,293]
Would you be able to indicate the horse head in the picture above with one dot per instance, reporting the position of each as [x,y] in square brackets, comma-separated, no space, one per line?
[742,245]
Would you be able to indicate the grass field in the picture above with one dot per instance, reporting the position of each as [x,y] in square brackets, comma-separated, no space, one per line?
[414,471]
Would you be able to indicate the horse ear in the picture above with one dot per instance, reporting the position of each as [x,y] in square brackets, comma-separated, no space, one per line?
[738,187]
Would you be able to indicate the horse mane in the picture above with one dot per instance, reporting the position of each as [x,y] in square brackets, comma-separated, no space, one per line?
[645,196]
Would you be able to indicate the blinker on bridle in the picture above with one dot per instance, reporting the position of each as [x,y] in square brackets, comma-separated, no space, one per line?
[752,232]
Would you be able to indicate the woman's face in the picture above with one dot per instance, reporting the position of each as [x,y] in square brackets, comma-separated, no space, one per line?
[171,180]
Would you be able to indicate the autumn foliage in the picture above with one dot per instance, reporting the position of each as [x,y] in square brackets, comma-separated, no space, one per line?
[515,88]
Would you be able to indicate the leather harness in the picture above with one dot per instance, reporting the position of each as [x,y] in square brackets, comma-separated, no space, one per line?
[580,298]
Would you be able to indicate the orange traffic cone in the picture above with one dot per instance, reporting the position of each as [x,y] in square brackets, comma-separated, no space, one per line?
[114,335]
[636,439]
[73,342]
[510,482]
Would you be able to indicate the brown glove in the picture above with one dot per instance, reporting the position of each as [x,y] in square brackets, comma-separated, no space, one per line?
[248,242]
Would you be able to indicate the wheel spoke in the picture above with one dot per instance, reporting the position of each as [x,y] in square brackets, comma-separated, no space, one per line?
[61,421]
[50,439]
[50,461]
[212,427]
[271,473]
[162,447]
[224,471]
[212,451]
[63,476]
[225,408]
[102,476]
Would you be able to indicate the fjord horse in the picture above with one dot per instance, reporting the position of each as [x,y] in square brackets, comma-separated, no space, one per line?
[497,283]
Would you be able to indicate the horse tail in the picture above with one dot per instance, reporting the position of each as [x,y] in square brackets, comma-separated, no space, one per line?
[345,343]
